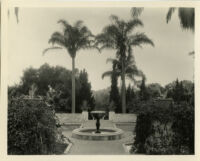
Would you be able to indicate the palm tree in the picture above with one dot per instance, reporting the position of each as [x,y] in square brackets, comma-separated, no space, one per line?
[186,16]
[131,70]
[73,38]
[118,36]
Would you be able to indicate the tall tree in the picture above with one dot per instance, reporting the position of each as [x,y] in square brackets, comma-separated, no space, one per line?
[179,93]
[130,94]
[124,60]
[118,36]
[143,93]
[114,93]
[73,38]
[85,93]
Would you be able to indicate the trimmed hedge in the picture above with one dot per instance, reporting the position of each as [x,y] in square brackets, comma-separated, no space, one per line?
[31,127]
[164,130]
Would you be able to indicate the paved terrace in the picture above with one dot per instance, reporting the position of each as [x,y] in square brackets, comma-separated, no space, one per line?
[86,147]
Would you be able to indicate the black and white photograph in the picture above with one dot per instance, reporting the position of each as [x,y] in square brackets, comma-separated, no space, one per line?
[101,80]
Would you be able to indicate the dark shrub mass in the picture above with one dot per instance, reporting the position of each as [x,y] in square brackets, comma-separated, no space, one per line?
[168,130]
[31,127]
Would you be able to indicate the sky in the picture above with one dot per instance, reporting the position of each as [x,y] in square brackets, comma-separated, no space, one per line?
[164,63]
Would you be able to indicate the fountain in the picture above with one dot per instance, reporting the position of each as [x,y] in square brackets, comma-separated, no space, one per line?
[98,115]
[91,133]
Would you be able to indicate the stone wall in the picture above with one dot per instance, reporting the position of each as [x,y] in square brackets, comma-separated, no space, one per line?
[69,118]
[122,118]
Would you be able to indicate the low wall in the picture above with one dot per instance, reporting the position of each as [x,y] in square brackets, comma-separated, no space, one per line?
[123,118]
[68,118]
[126,126]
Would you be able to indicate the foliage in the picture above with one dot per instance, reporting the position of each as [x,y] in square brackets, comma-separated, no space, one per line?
[179,93]
[73,38]
[58,79]
[168,130]
[131,69]
[114,92]
[31,127]
[155,90]
[186,16]
[143,94]
[130,94]
[136,11]
[184,128]
[112,106]
[130,97]
[101,99]
[84,93]
[119,36]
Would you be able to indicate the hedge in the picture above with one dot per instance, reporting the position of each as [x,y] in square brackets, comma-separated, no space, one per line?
[164,130]
[31,127]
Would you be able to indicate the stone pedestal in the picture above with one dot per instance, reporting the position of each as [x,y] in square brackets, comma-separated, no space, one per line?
[111,115]
[85,115]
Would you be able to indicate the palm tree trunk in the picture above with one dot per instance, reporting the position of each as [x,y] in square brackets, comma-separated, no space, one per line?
[123,89]
[73,84]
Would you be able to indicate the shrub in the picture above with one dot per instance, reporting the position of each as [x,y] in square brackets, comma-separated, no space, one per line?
[31,127]
[164,130]
[183,128]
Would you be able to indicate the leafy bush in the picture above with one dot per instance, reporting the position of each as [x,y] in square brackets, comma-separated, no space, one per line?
[164,130]
[31,127]
[183,128]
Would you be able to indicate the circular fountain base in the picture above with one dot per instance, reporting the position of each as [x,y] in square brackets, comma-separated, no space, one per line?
[89,134]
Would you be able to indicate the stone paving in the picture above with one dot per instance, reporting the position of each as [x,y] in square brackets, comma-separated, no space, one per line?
[86,147]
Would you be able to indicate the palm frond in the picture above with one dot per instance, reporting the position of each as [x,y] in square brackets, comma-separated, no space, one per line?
[78,24]
[114,18]
[51,48]
[57,38]
[130,60]
[132,25]
[118,23]
[90,47]
[136,11]
[64,23]
[112,31]
[186,16]
[17,14]
[103,41]
[107,74]
[140,38]
[169,13]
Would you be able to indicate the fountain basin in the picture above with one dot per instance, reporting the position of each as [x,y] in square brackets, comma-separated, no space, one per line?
[89,134]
